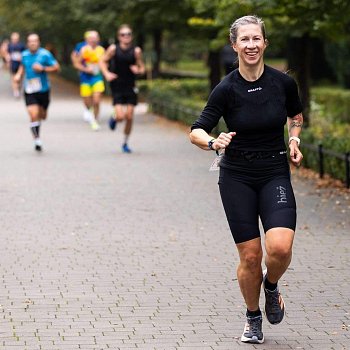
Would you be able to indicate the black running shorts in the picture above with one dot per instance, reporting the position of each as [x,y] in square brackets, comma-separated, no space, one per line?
[125,96]
[257,188]
[14,65]
[38,98]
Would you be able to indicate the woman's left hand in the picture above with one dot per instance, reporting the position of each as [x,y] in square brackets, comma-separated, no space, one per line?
[295,155]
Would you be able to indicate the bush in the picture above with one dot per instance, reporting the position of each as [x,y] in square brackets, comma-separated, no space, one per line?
[334,163]
[335,103]
[69,73]
[195,88]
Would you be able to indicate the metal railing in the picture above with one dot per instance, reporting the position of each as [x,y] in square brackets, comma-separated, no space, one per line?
[322,152]
[319,151]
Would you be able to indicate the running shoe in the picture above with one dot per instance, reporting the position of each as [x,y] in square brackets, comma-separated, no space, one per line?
[112,123]
[274,304]
[95,126]
[252,332]
[125,148]
[88,116]
[38,145]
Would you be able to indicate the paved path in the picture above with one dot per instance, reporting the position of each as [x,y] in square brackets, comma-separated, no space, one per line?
[102,250]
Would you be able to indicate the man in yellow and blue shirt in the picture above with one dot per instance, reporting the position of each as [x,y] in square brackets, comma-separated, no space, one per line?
[85,58]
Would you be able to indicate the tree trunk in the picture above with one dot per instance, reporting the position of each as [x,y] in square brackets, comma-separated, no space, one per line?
[157,46]
[323,70]
[66,54]
[214,64]
[140,37]
[299,62]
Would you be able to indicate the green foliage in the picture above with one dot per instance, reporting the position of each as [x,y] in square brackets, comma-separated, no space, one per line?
[69,73]
[196,89]
[338,55]
[334,163]
[62,23]
[189,66]
[332,104]
[322,18]
[330,127]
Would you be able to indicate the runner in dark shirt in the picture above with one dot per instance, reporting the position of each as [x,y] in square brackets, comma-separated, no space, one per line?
[229,59]
[120,66]
[14,58]
[256,101]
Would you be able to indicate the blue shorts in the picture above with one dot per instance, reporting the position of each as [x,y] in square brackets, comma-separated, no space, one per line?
[14,65]
[91,84]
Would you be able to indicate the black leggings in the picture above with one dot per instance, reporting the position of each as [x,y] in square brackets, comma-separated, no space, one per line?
[246,199]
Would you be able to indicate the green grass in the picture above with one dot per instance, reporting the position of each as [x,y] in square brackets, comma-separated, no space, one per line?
[200,66]
[278,63]
[195,66]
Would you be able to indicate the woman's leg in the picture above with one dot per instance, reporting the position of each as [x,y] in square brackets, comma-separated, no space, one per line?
[249,272]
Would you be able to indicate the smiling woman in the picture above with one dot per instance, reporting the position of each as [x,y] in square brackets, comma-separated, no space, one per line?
[256,101]
[249,41]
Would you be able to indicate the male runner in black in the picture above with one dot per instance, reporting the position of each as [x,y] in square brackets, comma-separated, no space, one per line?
[120,64]
[256,101]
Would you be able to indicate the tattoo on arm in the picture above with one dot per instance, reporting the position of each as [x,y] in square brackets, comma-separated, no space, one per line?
[296,121]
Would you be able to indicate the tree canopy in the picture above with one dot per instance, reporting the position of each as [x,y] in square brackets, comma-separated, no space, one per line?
[295,28]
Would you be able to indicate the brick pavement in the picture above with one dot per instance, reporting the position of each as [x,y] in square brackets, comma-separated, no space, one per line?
[102,250]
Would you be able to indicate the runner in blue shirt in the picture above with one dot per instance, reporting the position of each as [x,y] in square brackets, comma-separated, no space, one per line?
[36,63]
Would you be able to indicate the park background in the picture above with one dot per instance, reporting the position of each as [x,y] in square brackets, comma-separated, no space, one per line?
[103,250]
[183,41]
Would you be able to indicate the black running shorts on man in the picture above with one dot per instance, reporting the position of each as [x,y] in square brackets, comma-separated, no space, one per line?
[38,98]
[124,96]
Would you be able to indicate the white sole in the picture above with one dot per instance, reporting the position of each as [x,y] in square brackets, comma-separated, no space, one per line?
[255,340]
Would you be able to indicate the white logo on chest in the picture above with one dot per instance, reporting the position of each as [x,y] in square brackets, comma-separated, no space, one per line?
[255,89]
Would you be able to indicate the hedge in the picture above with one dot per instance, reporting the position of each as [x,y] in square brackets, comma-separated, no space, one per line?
[335,103]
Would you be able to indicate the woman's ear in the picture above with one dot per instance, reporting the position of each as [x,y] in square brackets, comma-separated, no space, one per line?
[234,47]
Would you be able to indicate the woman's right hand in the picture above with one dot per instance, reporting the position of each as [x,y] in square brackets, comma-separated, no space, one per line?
[223,140]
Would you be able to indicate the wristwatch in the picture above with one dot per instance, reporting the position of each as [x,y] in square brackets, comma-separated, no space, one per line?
[210,144]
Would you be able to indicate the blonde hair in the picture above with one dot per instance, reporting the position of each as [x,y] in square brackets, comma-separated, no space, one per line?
[90,32]
[251,19]
[123,26]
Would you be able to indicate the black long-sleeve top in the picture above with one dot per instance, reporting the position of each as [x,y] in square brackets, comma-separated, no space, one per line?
[257,111]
